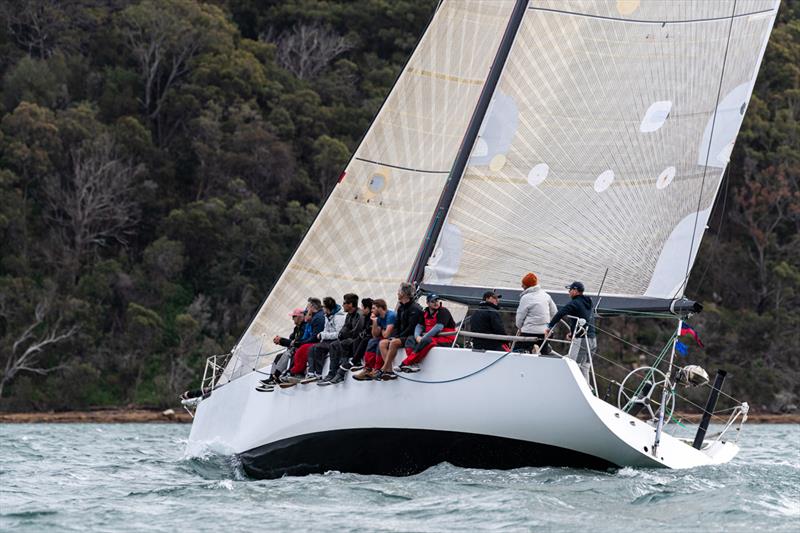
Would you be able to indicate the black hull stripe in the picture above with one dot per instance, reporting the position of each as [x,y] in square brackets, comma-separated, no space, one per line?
[403,452]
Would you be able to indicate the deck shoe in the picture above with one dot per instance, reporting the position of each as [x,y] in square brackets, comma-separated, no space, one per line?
[265,388]
[387,376]
[409,368]
[293,379]
[356,368]
[324,383]
[364,375]
[310,379]
[338,378]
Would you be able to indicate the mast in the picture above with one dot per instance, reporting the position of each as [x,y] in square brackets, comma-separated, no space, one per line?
[464,151]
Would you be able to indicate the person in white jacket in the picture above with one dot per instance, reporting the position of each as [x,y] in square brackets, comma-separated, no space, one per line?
[334,320]
[535,310]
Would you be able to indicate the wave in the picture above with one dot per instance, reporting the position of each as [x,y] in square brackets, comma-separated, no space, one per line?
[212,460]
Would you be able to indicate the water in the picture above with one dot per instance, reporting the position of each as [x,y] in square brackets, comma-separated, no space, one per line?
[117,477]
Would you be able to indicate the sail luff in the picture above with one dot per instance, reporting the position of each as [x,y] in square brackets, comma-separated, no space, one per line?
[467,143]
[353,157]
[368,231]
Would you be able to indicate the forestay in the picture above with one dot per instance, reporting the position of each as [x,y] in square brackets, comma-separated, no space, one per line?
[604,145]
[366,236]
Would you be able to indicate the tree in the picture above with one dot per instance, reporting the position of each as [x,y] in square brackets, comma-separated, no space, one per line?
[308,49]
[94,204]
[28,338]
[330,158]
[164,37]
[36,25]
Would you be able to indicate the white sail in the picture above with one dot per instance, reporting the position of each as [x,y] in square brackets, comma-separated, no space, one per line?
[368,233]
[604,145]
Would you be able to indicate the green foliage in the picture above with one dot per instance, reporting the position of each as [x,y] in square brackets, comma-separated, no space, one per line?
[229,154]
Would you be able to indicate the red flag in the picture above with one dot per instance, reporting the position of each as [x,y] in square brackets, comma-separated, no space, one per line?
[686,329]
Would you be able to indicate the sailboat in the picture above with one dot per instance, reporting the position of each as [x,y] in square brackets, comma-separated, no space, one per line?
[581,140]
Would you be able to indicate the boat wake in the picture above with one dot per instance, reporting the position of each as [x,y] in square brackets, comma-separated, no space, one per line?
[213,461]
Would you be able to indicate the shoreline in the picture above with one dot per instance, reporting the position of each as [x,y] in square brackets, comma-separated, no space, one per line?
[180,416]
[99,416]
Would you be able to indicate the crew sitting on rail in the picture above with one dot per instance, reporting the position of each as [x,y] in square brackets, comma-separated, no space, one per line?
[535,310]
[382,324]
[409,314]
[281,363]
[334,321]
[315,323]
[341,349]
[356,361]
[436,319]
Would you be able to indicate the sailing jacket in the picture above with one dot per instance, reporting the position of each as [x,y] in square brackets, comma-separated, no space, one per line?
[313,328]
[333,323]
[296,335]
[435,322]
[535,310]
[581,307]
[354,323]
[487,320]
[409,315]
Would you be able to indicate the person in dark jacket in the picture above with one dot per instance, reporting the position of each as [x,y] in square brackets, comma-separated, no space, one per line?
[341,349]
[409,314]
[281,363]
[356,361]
[579,306]
[487,320]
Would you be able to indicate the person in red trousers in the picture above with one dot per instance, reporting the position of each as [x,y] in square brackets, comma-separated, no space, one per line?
[435,321]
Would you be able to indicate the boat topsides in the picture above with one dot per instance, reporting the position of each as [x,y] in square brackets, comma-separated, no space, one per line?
[520,397]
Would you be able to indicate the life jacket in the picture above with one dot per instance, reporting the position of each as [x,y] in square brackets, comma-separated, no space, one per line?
[430,321]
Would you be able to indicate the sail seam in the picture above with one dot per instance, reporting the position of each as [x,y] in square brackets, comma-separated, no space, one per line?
[399,167]
[642,21]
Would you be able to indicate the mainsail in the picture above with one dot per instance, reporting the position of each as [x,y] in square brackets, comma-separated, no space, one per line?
[367,234]
[604,145]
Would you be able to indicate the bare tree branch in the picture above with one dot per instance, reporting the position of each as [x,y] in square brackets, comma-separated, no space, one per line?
[22,358]
[95,204]
[307,50]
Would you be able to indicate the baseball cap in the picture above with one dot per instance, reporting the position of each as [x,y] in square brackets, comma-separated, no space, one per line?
[432,297]
[577,285]
[491,294]
[297,312]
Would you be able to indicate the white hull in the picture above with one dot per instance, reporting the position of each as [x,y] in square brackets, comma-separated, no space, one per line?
[523,410]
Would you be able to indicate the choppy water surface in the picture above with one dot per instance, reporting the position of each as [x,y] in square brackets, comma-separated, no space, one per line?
[117,477]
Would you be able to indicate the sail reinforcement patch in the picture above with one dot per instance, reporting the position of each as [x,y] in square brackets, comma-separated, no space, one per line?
[538,174]
[655,116]
[665,178]
[604,181]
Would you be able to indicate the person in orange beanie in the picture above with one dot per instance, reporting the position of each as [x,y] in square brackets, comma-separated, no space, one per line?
[535,310]
[529,280]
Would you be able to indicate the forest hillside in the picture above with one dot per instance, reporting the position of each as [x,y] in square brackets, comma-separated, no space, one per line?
[160,160]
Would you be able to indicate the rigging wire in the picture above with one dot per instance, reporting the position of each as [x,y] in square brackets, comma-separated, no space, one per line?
[708,153]
[727,179]
[654,401]
[656,357]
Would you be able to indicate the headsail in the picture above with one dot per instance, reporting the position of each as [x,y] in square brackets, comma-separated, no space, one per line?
[366,236]
[605,145]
